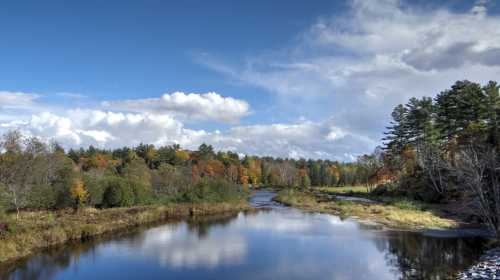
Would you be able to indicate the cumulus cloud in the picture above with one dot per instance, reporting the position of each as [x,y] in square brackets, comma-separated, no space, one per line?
[305,139]
[82,127]
[152,121]
[375,56]
[207,106]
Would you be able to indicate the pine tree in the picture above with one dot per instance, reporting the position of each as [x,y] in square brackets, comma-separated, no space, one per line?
[419,119]
[458,109]
[397,134]
[491,108]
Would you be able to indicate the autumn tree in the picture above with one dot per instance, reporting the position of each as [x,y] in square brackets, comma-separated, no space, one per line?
[78,193]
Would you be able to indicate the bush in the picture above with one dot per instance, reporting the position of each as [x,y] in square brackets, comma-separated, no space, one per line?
[142,193]
[3,214]
[118,193]
[387,189]
[417,187]
[214,190]
[42,197]
[95,189]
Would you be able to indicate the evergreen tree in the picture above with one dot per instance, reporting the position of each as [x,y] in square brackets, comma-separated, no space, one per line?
[491,108]
[397,134]
[419,120]
[459,108]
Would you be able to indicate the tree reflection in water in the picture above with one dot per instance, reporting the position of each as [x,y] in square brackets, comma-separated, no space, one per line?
[415,256]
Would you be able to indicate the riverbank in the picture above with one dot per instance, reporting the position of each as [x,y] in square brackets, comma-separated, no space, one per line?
[488,267]
[401,216]
[35,231]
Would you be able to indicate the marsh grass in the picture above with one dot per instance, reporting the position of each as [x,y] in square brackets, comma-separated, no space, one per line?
[345,190]
[394,213]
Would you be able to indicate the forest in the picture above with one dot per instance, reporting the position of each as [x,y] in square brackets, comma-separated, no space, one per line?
[436,150]
[445,150]
[35,175]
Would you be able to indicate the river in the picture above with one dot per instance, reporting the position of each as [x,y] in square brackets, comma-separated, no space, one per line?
[275,243]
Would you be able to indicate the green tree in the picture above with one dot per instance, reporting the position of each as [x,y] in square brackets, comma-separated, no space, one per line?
[118,193]
[419,120]
[491,108]
[305,182]
[458,108]
[205,152]
[397,135]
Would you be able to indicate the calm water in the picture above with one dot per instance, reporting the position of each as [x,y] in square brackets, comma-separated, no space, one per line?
[281,243]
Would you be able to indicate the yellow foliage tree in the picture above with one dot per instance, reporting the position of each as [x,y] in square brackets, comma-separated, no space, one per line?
[182,155]
[78,192]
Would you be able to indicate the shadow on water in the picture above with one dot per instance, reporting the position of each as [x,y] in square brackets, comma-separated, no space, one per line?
[415,256]
[276,243]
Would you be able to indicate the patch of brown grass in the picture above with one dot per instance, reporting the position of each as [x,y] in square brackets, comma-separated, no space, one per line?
[393,216]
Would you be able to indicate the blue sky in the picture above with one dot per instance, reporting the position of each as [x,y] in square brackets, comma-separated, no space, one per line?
[286,78]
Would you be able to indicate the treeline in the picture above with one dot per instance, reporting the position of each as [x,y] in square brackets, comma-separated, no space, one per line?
[446,149]
[36,175]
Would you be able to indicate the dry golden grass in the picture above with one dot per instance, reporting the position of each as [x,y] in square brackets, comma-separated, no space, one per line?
[345,190]
[392,216]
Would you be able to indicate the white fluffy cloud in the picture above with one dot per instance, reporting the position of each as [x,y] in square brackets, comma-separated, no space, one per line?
[107,129]
[208,106]
[305,139]
[375,56]
[80,127]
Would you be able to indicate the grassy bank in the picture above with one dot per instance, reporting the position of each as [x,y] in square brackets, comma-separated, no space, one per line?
[401,214]
[37,230]
[358,190]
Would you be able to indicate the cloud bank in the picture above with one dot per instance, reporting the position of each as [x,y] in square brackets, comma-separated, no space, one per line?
[106,129]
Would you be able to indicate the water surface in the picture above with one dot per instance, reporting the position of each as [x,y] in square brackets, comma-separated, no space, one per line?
[277,243]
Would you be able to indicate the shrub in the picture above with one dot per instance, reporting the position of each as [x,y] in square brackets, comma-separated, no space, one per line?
[118,193]
[42,197]
[95,189]
[142,193]
[214,190]
[63,189]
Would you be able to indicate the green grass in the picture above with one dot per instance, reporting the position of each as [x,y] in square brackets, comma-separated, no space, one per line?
[406,204]
[398,202]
